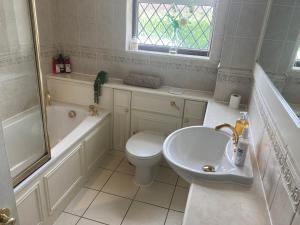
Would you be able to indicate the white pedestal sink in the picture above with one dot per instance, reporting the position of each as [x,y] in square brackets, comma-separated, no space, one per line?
[190,149]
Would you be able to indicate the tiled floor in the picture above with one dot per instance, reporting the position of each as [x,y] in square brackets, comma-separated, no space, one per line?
[111,197]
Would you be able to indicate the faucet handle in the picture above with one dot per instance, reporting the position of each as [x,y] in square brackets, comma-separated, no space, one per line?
[92,107]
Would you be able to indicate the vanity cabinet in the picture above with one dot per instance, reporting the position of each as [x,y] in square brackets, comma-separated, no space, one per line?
[121,127]
[141,121]
[139,111]
[155,103]
[194,112]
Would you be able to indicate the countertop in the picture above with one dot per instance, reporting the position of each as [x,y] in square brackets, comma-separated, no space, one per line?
[211,203]
[118,84]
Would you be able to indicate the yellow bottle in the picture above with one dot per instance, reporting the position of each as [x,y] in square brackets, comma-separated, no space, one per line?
[242,123]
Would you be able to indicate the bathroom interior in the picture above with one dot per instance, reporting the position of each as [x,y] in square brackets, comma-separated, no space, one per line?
[149,112]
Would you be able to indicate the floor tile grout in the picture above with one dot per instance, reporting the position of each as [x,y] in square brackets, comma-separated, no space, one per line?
[99,191]
[171,200]
[114,171]
[129,206]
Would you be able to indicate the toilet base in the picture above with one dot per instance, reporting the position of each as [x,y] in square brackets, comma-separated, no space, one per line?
[144,175]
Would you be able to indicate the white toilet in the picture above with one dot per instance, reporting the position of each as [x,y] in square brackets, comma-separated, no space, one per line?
[144,150]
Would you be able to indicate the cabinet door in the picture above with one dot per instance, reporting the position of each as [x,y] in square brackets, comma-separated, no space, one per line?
[141,121]
[155,103]
[121,118]
[194,113]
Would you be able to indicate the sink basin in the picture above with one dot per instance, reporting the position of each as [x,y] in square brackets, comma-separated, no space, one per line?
[202,153]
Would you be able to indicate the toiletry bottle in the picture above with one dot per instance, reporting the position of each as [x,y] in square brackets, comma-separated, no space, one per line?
[55,65]
[61,63]
[242,148]
[242,123]
[68,65]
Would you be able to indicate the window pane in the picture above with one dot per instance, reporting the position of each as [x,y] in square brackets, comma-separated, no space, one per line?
[158,23]
[297,62]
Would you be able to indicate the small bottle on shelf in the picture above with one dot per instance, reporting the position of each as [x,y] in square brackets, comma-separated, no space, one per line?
[67,63]
[242,123]
[242,148]
[61,63]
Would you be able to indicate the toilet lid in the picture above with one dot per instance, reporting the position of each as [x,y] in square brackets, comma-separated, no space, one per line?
[145,144]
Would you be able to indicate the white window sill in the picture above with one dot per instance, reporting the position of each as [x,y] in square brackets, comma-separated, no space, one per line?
[200,60]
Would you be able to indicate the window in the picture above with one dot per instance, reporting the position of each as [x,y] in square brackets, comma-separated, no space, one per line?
[175,26]
[297,61]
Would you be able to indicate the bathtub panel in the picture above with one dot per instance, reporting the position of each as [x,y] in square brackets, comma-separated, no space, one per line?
[79,93]
[97,143]
[63,178]
[29,207]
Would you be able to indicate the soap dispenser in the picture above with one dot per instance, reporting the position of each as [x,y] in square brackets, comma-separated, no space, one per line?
[242,123]
[242,148]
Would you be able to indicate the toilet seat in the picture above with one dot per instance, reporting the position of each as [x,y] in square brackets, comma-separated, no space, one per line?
[145,145]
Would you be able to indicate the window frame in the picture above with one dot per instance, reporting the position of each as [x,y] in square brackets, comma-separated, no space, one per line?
[296,63]
[165,49]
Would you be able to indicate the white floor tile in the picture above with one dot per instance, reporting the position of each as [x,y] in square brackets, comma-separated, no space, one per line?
[179,199]
[174,218]
[110,161]
[183,183]
[87,222]
[166,175]
[159,194]
[125,167]
[66,218]
[121,184]
[144,214]
[98,179]
[81,202]
[108,209]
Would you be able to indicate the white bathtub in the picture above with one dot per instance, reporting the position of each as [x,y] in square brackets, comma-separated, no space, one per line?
[64,131]
[77,145]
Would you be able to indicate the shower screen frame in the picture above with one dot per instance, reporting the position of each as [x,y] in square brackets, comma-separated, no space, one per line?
[36,43]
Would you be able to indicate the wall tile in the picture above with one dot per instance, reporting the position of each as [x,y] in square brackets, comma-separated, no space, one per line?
[271,177]
[263,154]
[294,27]
[233,18]
[278,22]
[248,24]
[244,53]
[270,55]
[282,210]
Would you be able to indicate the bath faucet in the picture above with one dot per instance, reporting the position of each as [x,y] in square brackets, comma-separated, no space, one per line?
[48,99]
[93,110]
[235,135]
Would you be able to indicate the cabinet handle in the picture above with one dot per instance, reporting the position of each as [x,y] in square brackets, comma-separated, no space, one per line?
[173,104]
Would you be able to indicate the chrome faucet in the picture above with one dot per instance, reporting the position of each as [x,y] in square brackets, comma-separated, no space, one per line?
[48,99]
[235,135]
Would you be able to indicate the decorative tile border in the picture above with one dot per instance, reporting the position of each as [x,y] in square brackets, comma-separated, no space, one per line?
[16,57]
[124,57]
[235,75]
[281,149]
